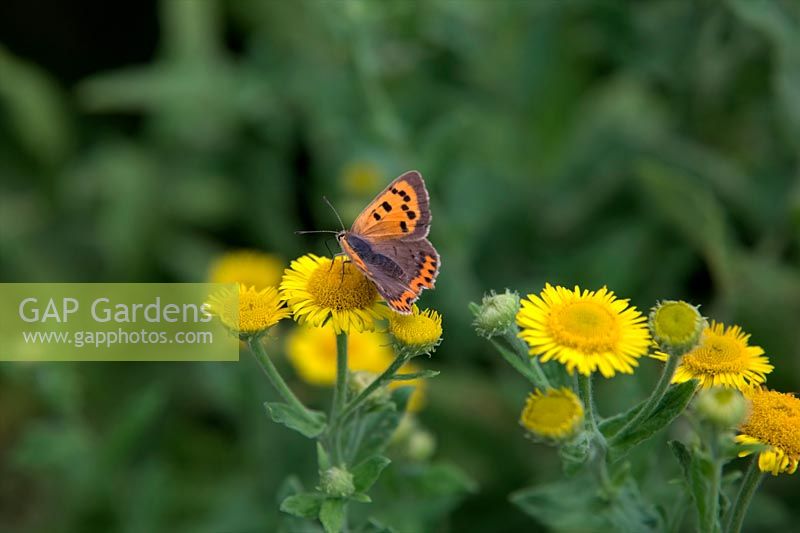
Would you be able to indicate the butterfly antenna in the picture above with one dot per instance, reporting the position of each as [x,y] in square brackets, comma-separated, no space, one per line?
[303,232]
[335,212]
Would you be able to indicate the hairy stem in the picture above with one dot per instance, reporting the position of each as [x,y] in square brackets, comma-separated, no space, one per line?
[399,361]
[257,349]
[655,397]
[748,487]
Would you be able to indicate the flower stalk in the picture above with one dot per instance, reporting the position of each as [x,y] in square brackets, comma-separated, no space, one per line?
[747,489]
[655,398]
[257,349]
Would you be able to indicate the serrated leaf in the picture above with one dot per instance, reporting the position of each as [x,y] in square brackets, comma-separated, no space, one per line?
[367,472]
[416,375]
[306,422]
[331,514]
[671,405]
[303,505]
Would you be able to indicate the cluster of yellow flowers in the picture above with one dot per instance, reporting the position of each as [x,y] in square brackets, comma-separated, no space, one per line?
[591,331]
[326,297]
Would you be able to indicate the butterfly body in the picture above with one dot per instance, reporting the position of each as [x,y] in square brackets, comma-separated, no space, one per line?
[388,242]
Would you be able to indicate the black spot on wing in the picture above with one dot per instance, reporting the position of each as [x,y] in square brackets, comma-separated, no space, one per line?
[386,206]
[404,226]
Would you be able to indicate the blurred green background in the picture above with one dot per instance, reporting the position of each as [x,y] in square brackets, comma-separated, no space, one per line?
[650,146]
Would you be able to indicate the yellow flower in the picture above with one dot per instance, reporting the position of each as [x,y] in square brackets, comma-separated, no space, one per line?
[253,312]
[723,359]
[584,330]
[676,326]
[774,421]
[312,353]
[556,414]
[420,332]
[320,290]
[248,267]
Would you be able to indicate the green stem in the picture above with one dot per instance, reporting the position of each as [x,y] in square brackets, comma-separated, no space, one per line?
[399,361]
[587,397]
[710,522]
[275,378]
[521,360]
[339,399]
[746,490]
[655,397]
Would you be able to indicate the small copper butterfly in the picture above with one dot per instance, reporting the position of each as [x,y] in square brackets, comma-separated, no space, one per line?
[388,242]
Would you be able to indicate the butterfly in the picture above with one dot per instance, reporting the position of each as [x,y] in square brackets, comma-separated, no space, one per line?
[388,242]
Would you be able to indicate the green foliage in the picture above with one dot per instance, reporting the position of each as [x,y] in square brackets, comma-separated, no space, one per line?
[296,419]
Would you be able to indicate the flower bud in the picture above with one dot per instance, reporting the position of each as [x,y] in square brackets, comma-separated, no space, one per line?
[676,326]
[496,314]
[336,482]
[723,407]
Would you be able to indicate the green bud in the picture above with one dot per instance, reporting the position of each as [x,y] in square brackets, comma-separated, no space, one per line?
[421,445]
[723,407]
[336,482]
[496,314]
[676,326]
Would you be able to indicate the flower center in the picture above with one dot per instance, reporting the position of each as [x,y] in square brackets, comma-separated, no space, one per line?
[717,354]
[676,321]
[551,412]
[775,420]
[419,329]
[585,326]
[556,413]
[341,286]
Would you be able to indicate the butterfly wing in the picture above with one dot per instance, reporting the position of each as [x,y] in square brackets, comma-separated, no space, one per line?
[399,269]
[401,211]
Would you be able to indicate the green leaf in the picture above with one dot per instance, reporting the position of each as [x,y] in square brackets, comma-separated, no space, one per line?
[303,505]
[367,472]
[416,375]
[671,405]
[697,470]
[323,459]
[307,422]
[380,424]
[360,497]
[578,504]
[523,366]
[331,514]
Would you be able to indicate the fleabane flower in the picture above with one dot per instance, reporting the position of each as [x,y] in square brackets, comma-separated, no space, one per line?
[552,415]
[251,268]
[723,358]
[320,290]
[584,330]
[774,422]
[418,332]
[676,326]
[247,311]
